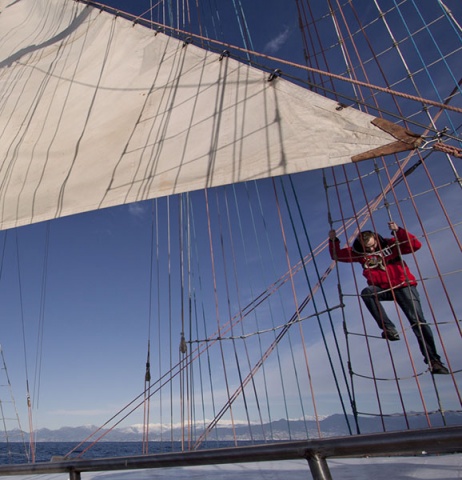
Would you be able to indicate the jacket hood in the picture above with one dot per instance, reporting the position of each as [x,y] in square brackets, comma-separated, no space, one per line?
[358,246]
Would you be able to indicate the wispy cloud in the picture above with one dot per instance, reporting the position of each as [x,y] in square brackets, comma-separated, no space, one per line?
[277,42]
[136,209]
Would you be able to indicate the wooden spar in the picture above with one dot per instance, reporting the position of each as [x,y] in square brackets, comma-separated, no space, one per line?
[406,140]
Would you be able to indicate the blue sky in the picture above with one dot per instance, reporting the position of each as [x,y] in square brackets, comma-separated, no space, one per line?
[86,332]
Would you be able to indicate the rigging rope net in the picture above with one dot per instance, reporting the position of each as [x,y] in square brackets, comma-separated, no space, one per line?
[410,196]
[264,358]
[389,191]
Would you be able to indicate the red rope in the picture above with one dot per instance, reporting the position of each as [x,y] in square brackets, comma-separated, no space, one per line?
[449,149]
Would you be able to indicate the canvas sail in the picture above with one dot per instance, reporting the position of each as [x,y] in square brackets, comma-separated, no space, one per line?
[97,112]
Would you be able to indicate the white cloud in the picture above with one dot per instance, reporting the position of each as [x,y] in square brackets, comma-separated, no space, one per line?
[276,43]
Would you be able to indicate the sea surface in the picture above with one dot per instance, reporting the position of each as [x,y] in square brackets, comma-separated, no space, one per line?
[16,453]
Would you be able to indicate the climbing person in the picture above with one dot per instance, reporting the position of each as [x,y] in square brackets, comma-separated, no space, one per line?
[389,278]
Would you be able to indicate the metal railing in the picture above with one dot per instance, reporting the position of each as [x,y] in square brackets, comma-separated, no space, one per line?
[411,442]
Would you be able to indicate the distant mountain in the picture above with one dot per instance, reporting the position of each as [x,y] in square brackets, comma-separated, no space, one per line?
[333,425]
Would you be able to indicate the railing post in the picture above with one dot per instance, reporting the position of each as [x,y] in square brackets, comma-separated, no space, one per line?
[74,475]
[318,467]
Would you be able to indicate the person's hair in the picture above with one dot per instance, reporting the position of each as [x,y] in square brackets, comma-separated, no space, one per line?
[366,236]
[363,238]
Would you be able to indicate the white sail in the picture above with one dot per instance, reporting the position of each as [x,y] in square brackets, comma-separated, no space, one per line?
[96,112]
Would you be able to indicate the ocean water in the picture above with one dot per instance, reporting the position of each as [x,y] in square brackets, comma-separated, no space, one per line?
[14,453]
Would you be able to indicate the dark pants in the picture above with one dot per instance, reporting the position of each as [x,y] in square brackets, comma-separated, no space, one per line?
[408,299]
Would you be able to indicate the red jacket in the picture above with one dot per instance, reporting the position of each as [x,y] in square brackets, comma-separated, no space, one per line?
[384,267]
